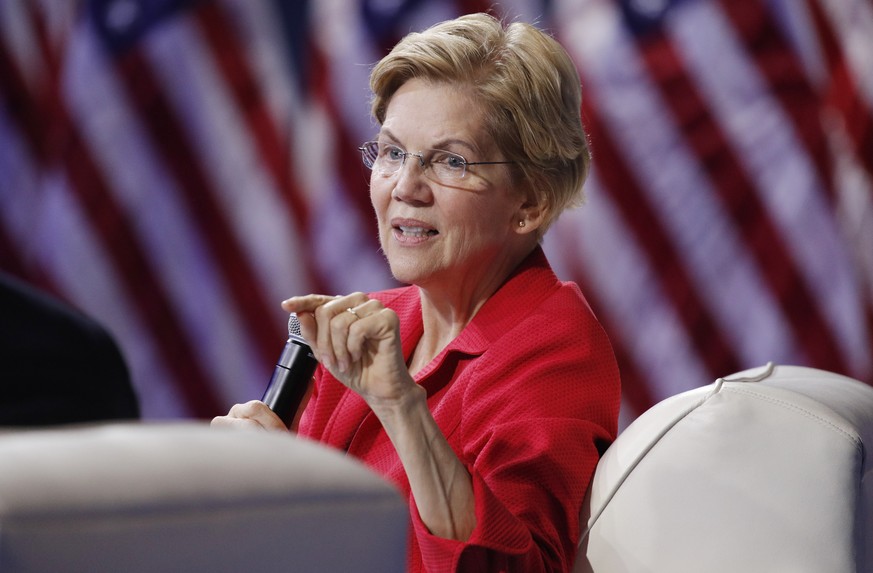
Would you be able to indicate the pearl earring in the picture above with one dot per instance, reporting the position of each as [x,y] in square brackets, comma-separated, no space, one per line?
[521,223]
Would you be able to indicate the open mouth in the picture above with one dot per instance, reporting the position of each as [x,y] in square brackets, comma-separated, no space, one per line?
[418,232]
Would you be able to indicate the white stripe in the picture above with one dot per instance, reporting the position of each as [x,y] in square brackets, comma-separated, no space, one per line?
[855,212]
[725,275]
[150,199]
[757,127]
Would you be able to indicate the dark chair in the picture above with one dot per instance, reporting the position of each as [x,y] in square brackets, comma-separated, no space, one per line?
[57,366]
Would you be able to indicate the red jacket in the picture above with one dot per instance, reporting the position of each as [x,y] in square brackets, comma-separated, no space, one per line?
[527,396]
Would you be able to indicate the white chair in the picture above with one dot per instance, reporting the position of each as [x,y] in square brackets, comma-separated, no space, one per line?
[768,470]
[186,497]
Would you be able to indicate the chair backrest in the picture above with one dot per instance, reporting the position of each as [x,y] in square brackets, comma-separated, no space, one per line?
[765,470]
[186,497]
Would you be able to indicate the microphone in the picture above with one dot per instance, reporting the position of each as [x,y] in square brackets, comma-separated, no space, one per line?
[292,374]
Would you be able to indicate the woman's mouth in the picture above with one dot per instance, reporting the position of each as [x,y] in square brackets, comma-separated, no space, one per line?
[411,232]
[416,232]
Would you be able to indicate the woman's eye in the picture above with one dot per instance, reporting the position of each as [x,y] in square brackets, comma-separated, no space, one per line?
[394,153]
[451,160]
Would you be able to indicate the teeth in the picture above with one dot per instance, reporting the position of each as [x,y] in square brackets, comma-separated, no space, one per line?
[416,231]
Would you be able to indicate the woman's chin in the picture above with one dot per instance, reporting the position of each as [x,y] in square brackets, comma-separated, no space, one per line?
[409,270]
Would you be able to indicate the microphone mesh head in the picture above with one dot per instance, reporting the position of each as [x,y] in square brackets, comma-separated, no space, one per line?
[293,325]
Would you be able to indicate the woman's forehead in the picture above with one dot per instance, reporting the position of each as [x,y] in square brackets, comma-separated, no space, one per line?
[431,114]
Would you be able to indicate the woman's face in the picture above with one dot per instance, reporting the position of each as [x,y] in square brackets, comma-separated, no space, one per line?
[439,235]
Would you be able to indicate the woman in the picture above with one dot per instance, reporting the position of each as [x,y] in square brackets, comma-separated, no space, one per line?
[485,390]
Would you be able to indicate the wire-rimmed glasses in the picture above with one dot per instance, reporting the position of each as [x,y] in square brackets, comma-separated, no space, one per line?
[439,165]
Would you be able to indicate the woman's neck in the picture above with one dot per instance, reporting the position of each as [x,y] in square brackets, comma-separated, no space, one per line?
[442,324]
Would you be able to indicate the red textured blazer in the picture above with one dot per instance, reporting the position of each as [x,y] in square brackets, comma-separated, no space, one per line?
[528,397]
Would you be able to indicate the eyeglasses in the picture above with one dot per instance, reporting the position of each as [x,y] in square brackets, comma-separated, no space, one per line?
[440,166]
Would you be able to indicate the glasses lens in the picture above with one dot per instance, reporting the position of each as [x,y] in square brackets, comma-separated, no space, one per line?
[446,166]
[369,153]
[391,159]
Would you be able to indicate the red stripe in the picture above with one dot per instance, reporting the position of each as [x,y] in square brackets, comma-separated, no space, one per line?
[109,222]
[842,93]
[24,108]
[857,119]
[642,220]
[169,138]
[742,205]
[786,81]
[273,149]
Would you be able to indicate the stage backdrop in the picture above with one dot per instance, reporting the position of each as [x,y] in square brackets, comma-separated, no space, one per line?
[177,168]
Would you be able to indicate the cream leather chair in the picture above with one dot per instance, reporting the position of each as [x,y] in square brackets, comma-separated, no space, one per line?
[769,470]
[186,497]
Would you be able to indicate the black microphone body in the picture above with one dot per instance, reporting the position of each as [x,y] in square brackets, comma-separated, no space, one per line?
[291,376]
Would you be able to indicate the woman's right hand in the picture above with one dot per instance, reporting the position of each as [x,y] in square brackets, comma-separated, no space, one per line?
[253,415]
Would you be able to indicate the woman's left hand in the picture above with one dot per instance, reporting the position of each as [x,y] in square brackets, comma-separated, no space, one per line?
[358,340]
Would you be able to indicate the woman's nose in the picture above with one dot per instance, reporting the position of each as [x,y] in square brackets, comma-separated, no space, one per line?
[411,184]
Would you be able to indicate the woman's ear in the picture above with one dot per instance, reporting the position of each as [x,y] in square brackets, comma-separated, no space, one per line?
[529,218]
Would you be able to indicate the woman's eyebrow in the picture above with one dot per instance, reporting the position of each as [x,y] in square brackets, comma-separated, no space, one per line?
[440,144]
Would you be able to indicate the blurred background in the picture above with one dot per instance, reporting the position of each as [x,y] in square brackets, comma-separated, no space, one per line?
[176,168]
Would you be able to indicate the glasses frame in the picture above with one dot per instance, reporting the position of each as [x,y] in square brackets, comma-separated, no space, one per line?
[371,148]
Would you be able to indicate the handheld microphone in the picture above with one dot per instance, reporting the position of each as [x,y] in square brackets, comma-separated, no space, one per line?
[291,376]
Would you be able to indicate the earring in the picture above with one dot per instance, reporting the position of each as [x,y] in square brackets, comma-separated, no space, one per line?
[521,223]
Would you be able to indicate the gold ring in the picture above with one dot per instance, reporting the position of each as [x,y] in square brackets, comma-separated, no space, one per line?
[351,310]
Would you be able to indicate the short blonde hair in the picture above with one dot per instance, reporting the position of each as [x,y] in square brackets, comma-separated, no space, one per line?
[528,86]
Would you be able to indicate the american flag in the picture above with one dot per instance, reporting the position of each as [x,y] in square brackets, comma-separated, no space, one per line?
[176,168]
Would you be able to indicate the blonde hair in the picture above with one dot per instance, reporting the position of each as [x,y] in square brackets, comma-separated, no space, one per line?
[528,86]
